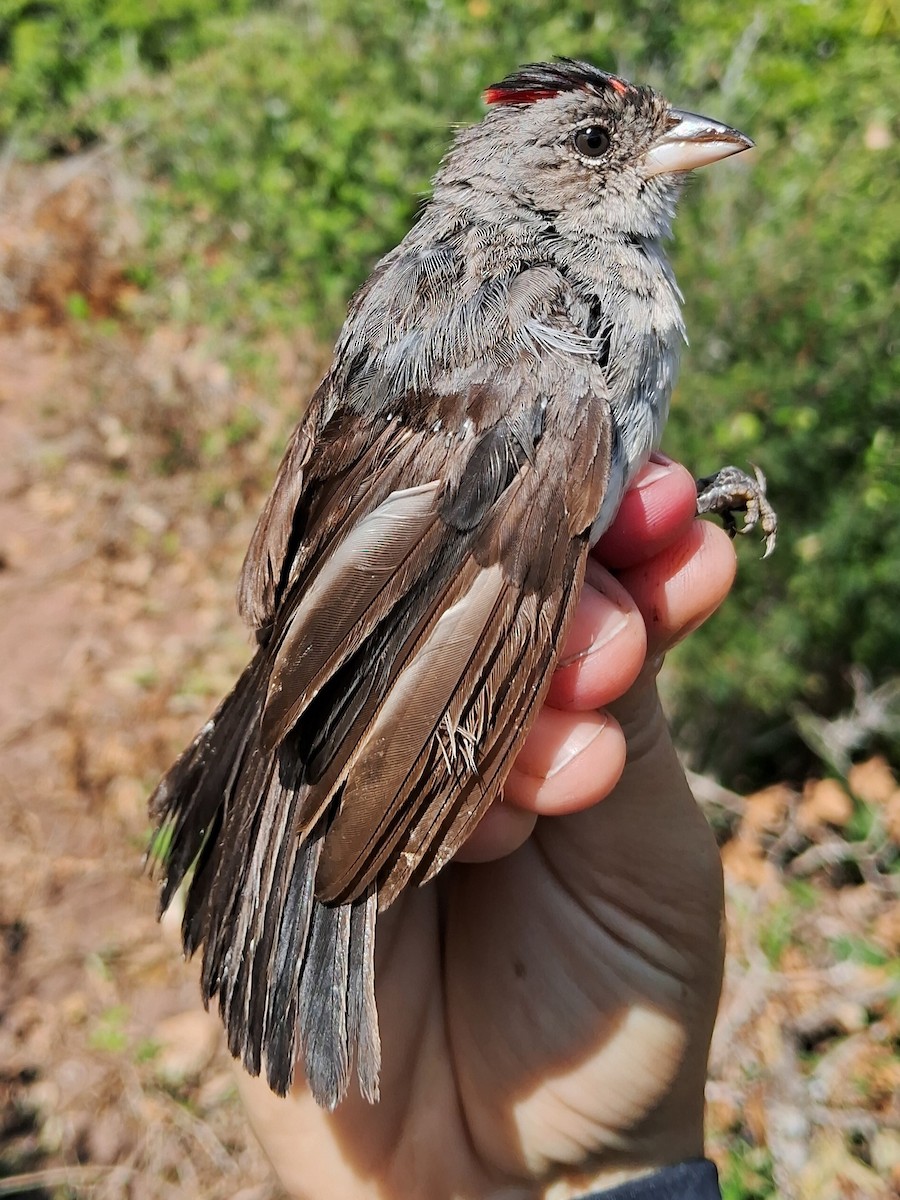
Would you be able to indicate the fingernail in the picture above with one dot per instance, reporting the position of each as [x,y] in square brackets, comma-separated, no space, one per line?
[576,743]
[651,473]
[658,457]
[597,622]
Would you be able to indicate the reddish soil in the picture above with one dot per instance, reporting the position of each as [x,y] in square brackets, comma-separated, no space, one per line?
[123,516]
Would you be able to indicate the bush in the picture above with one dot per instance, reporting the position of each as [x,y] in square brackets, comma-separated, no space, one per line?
[53,51]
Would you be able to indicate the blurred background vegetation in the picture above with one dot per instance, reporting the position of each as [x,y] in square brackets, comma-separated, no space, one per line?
[287,145]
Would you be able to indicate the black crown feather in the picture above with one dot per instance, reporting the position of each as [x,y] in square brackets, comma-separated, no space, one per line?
[540,81]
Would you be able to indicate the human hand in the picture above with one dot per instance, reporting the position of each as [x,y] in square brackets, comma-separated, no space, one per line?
[546,1016]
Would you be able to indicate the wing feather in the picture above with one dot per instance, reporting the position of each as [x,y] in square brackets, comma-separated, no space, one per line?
[369,571]
[406,725]
[407,630]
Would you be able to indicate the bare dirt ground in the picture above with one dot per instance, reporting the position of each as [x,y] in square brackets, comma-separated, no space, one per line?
[123,514]
[131,467]
[106,1061]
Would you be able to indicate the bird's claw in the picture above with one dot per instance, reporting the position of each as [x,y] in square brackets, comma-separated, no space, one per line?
[730,491]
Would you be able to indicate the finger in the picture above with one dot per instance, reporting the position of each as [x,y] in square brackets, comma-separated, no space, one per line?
[567,763]
[656,510]
[502,829]
[682,586]
[605,648]
[571,762]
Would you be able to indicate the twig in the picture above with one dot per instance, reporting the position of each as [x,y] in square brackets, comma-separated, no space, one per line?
[812,1026]
[852,1120]
[7,157]
[33,1181]
[742,54]
[827,854]
[708,791]
[204,1136]
[789,840]
[834,850]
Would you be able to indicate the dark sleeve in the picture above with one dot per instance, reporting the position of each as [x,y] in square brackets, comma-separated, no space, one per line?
[696,1179]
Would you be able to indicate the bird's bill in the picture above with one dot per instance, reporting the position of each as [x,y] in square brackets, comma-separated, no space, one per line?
[693,141]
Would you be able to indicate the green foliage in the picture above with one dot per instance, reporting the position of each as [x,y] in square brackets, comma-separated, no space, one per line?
[109,1032]
[289,145]
[858,950]
[776,930]
[748,1174]
[805,895]
[794,289]
[53,51]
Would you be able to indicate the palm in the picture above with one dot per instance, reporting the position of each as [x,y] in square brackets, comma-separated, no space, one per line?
[574,971]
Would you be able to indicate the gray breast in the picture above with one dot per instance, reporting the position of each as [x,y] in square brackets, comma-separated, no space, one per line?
[636,307]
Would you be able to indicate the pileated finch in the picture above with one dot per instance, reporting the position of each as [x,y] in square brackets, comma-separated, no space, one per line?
[499,380]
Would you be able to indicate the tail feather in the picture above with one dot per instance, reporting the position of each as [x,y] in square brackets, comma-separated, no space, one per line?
[362,1016]
[187,802]
[280,1020]
[293,977]
[323,1003]
[370,731]
[193,923]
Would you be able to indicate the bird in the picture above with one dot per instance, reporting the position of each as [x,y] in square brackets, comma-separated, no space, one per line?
[500,379]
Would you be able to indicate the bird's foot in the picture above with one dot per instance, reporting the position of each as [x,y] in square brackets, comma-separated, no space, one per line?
[730,491]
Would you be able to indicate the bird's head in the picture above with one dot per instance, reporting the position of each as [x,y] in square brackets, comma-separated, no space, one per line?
[586,151]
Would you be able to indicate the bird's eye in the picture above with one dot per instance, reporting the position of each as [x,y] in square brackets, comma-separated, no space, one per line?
[591,142]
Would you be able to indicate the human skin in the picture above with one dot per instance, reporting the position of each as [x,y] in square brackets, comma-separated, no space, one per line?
[546,1006]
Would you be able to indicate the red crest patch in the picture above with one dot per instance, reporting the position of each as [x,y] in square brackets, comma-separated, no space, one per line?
[501,95]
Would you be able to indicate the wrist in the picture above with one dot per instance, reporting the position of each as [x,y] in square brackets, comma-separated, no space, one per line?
[690,1179]
[591,1183]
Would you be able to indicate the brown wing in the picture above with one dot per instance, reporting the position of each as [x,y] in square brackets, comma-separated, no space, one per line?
[420,651]
[337,467]
[410,590]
